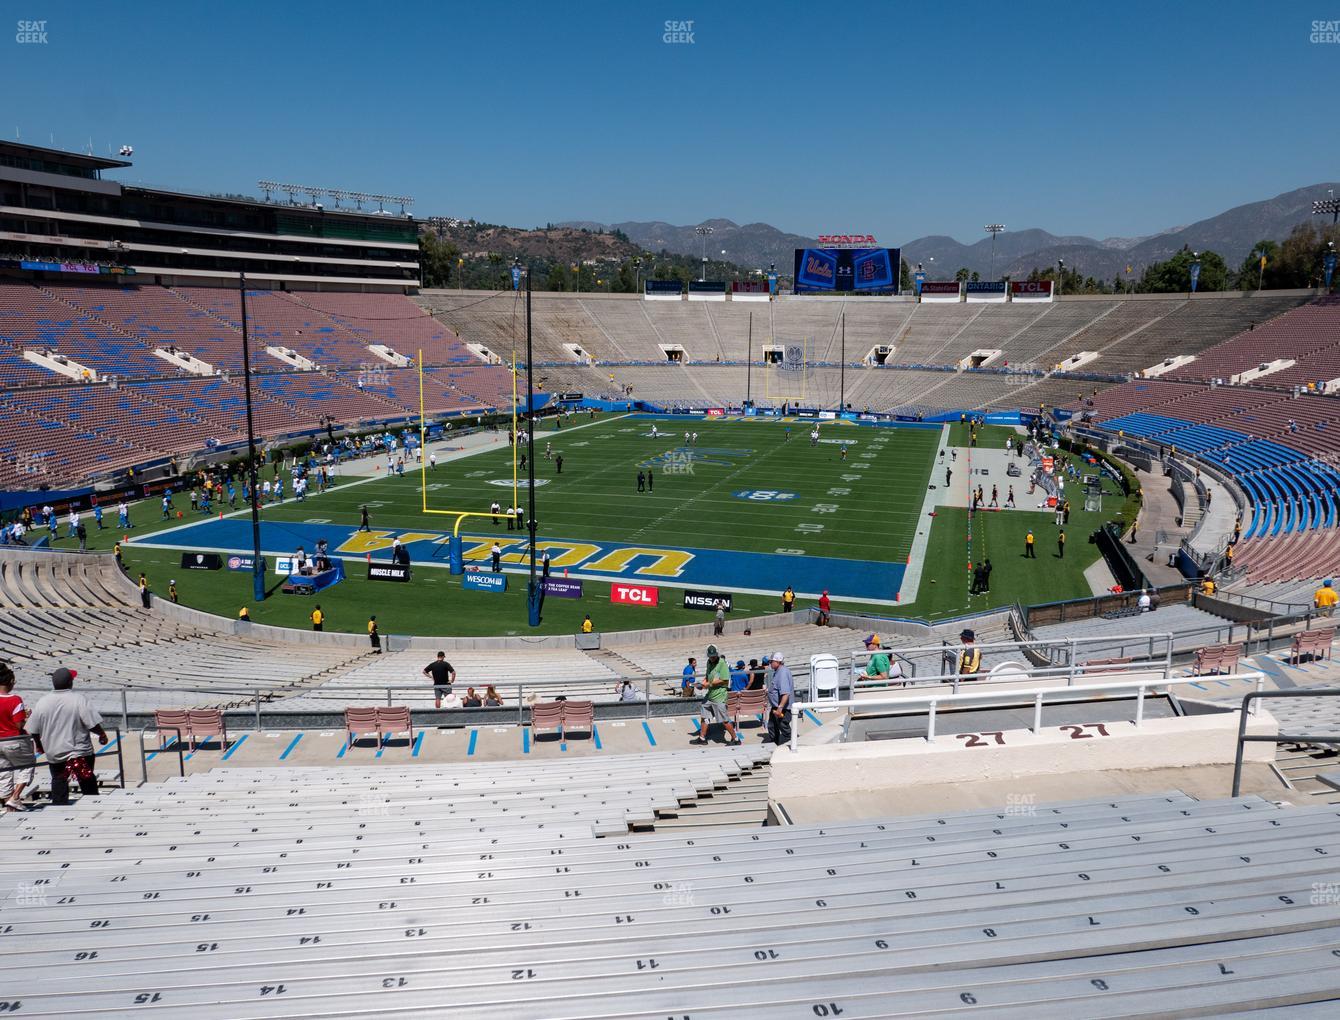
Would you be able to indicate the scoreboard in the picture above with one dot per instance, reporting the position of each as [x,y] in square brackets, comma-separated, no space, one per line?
[864,270]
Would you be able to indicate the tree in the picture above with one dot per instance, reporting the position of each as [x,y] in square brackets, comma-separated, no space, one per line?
[904,277]
[557,278]
[961,274]
[437,260]
[1173,276]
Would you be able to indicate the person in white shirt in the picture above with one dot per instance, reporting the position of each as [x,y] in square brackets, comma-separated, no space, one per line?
[1143,601]
[432,462]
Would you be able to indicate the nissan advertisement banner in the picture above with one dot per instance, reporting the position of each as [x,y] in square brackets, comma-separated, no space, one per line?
[707,600]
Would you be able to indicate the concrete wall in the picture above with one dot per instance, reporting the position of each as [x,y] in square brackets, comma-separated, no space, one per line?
[816,771]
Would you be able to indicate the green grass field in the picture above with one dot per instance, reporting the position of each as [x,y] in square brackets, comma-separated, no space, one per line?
[755,509]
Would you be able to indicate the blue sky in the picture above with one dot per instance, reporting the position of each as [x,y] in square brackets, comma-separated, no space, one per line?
[896,119]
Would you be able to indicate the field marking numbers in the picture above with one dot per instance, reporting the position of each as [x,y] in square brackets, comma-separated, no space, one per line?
[317,520]
[839,491]
[789,552]
[809,529]
[825,508]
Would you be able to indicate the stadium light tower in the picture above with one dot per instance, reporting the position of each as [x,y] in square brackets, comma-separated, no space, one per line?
[993,229]
[1330,205]
[1060,275]
[704,233]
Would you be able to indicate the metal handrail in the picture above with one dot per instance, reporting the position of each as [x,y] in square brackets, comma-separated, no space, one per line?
[1277,738]
[175,746]
[1037,694]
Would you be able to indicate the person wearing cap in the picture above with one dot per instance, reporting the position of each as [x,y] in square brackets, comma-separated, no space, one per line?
[969,656]
[172,590]
[716,685]
[59,725]
[880,666]
[1325,598]
[739,677]
[825,605]
[781,690]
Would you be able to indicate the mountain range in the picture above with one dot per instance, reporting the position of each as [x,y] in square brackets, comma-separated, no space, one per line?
[1232,234]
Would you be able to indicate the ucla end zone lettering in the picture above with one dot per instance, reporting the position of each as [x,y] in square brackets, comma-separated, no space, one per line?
[705,569]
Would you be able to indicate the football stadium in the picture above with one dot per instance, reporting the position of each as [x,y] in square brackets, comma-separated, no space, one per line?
[407,615]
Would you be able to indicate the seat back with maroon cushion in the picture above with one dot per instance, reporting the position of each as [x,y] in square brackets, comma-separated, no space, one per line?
[207,722]
[360,720]
[546,715]
[578,715]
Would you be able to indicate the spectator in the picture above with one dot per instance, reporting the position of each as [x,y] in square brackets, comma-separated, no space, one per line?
[689,678]
[471,699]
[144,591]
[244,614]
[739,677]
[60,724]
[719,623]
[443,676]
[1143,602]
[492,699]
[969,656]
[625,690]
[757,676]
[495,557]
[788,599]
[318,618]
[880,666]
[716,684]
[587,625]
[1325,598]
[781,689]
[16,747]
[374,636]
[825,606]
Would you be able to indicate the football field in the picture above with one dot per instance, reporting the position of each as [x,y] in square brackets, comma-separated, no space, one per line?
[745,506]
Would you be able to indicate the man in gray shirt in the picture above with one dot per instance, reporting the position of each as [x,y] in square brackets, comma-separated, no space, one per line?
[60,724]
[781,690]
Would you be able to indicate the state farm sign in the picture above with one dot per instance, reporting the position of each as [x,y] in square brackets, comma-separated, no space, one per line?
[634,594]
[848,240]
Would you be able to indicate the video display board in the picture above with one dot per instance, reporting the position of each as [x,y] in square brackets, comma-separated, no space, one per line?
[831,270]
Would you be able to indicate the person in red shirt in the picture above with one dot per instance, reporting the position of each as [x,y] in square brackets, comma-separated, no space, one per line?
[16,748]
[824,606]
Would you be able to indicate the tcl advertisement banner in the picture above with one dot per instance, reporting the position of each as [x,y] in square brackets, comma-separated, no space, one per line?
[1030,290]
[706,600]
[634,594]
[939,290]
[715,412]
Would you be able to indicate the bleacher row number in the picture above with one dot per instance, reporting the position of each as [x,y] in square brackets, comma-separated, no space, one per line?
[1081,730]
[979,739]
